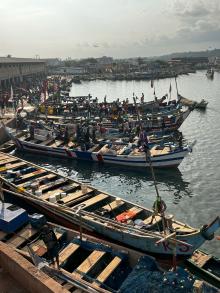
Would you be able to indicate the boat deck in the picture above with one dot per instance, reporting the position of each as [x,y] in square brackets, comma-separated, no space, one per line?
[94,265]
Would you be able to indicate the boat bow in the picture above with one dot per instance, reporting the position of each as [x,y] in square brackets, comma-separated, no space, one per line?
[207,231]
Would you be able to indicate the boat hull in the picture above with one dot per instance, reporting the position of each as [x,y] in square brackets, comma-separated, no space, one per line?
[172,159]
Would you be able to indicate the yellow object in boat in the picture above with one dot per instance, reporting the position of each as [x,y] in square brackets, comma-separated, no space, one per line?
[42,109]
[21,189]
[2,169]
[50,110]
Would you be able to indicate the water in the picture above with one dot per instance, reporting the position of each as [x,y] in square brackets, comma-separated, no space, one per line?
[192,191]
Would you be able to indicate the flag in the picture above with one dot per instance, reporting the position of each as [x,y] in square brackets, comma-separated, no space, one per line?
[11,95]
[45,87]
[152,83]
[55,87]
[170,89]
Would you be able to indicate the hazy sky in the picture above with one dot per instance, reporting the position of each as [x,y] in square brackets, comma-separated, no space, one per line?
[118,28]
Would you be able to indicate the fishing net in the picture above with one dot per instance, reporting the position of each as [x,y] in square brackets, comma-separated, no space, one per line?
[146,277]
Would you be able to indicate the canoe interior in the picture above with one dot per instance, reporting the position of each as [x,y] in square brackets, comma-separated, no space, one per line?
[101,264]
[51,187]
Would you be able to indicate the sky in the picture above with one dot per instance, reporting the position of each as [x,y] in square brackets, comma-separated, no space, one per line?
[117,28]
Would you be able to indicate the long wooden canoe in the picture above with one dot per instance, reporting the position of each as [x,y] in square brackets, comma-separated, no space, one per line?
[103,213]
[88,263]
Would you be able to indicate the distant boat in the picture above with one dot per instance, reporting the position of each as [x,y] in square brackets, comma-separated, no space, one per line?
[162,156]
[210,73]
[192,104]
[76,80]
[205,266]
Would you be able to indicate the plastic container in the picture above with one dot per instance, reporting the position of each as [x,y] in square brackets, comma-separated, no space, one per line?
[52,198]
[84,188]
[63,194]
[37,220]
[38,192]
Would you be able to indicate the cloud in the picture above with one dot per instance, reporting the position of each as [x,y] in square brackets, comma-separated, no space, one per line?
[195,8]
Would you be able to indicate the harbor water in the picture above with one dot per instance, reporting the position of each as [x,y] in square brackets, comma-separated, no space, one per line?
[191,192]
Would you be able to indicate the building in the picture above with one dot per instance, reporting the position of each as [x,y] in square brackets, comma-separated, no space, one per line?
[15,70]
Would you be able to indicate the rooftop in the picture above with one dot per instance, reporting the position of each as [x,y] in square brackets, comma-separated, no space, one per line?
[20,60]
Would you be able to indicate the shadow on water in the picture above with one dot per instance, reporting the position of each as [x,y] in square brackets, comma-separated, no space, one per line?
[117,179]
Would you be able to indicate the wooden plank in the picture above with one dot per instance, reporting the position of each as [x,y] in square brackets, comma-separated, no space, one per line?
[182,229]
[200,259]
[32,174]
[67,252]
[4,156]
[57,191]
[13,166]
[46,142]
[89,263]
[2,235]
[22,236]
[94,200]
[113,205]
[7,161]
[53,184]
[40,179]
[156,220]
[75,195]
[57,143]
[111,267]
[69,287]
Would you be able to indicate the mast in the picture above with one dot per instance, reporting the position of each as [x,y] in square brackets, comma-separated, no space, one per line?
[147,153]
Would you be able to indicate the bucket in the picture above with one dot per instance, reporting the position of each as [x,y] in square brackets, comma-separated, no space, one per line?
[63,194]
[34,186]
[118,200]
[52,198]
[38,192]
[84,188]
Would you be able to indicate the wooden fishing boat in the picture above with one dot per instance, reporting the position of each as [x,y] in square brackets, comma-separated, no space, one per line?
[210,73]
[193,104]
[17,274]
[87,262]
[162,120]
[205,266]
[44,143]
[101,212]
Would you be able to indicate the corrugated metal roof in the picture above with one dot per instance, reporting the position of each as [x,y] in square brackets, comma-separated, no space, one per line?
[20,60]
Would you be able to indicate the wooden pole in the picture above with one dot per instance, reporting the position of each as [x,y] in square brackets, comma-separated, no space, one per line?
[148,154]
[177,88]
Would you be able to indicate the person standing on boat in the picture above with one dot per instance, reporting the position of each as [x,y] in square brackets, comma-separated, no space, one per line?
[51,242]
[143,140]
[142,98]
[31,129]
[159,207]
[66,135]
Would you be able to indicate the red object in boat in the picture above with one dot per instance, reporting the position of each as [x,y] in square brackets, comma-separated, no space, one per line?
[125,216]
